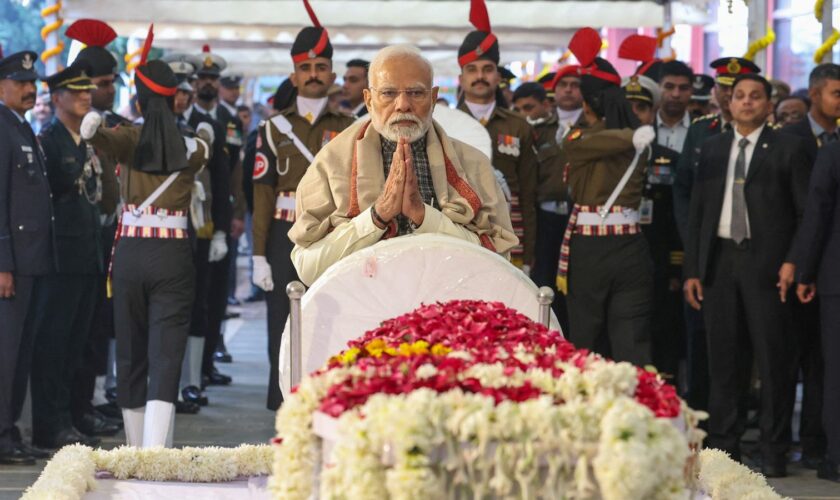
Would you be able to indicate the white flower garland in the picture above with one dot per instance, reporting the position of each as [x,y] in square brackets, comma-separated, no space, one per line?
[72,471]
[725,479]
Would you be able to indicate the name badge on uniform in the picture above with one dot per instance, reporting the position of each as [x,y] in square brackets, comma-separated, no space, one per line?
[508,144]
[328,136]
[646,211]
[30,157]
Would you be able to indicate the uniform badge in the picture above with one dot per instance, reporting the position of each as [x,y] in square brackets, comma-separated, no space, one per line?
[208,62]
[574,134]
[27,62]
[508,145]
[260,166]
[233,138]
[733,67]
[327,137]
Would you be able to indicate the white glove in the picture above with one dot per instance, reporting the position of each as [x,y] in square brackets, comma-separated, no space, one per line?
[90,123]
[218,247]
[643,136]
[205,132]
[262,273]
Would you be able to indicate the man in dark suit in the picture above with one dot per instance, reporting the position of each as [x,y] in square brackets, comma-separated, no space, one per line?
[355,81]
[818,271]
[747,200]
[26,251]
[818,129]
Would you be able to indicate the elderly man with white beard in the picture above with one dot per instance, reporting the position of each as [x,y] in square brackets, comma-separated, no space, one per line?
[395,175]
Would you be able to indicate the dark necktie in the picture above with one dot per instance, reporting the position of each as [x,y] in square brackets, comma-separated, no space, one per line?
[828,137]
[738,227]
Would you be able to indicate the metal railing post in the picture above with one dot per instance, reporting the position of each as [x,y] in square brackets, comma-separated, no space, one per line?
[545,296]
[295,291]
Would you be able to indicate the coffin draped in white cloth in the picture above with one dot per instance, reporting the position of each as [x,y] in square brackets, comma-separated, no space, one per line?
[395,277]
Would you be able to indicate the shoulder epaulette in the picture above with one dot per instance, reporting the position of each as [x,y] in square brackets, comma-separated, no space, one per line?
[704,118]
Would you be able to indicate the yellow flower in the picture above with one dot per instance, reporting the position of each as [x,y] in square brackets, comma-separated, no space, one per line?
[418,348]
[349,356]
[440,350]
[376,347]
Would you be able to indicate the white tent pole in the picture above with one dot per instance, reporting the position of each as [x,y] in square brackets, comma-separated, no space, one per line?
[827,27]
[757,28]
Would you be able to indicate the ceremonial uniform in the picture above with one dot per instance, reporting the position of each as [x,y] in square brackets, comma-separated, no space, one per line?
[211,65]
[153,276]
[555,205]
[278,168]
[68,293]
[514,149]
[610,273]
[286,145]
[26,251]
[515,155]
[610,282]
[96,35]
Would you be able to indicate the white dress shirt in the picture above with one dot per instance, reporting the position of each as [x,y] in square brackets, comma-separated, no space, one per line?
[481,112]
[725,223]
[565,120]
[308,107]
[672,137]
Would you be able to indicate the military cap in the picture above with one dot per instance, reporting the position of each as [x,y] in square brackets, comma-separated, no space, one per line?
[74,77]
[231,81]
[506,76]
[701,88]
[183,68]
[96,35]
[641,88]
[568,70]
[595,73]
[727,68]
[19,66]
[312,41]
[208,63]
[481,43]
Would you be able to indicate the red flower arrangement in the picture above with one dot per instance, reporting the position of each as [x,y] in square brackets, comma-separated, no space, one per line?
[389,357]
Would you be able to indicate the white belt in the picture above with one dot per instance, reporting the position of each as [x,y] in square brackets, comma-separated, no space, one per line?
[625,217]
[154,220]
[285,203]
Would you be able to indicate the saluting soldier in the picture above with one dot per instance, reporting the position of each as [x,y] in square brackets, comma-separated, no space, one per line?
[286,145]
[69,293]
[98,358]
[610,283]
[228,133]
[26,250]
[514,152]
[153,275]
[726,69]
[210,205]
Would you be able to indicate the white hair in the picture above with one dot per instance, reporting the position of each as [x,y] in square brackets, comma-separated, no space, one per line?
[402,50]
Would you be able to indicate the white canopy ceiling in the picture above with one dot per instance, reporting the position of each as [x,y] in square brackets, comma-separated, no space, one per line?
[255,36]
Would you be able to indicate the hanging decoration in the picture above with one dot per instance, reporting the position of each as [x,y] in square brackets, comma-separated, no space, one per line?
[826,47]
[50,28]
[760,44]
[818,10]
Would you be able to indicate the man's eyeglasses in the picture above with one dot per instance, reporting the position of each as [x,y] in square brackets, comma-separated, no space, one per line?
[390,95]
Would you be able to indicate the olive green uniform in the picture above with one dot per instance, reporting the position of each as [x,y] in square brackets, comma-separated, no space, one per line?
[610,277]
[278,168]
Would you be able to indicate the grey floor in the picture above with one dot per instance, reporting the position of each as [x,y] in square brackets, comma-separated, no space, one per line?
[237,413]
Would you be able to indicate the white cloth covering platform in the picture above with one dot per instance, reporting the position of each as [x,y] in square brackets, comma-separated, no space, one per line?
[255,488]
[395,277]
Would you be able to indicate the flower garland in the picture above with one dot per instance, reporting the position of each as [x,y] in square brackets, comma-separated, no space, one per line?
[760,44]
[72,471]
[474,398]
[826,47]
[723,478]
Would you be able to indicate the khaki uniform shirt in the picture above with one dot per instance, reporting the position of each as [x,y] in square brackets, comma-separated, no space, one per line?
[135,185]
[332,222]
[281,172]
[515,155]
[598,159]
[551,185]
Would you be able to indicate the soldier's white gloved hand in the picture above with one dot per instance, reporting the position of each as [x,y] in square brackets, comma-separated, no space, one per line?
[262,273]
[218,247]
[643,136]
[90,123]
[205,132]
